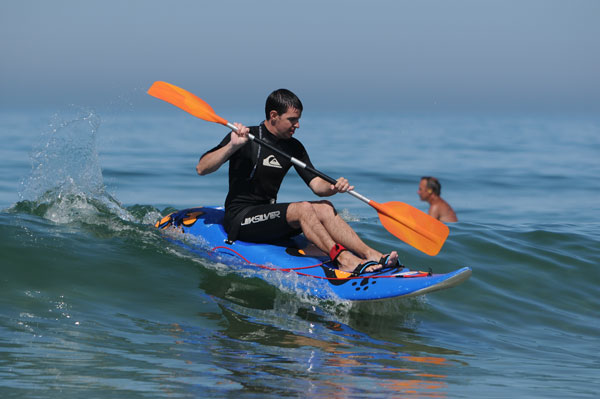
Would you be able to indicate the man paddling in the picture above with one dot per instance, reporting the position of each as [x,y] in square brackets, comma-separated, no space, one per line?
[429,191]
[255,175]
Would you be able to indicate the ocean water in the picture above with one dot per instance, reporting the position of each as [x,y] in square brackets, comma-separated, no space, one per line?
[96,303]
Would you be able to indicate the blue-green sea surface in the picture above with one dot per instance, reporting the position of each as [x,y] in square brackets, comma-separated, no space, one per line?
[96,303]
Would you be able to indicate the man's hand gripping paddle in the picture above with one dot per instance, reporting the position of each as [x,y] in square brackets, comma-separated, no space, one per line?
[409,224]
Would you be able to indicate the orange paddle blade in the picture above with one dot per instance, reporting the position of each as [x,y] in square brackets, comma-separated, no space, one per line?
[413,226]
[185,100]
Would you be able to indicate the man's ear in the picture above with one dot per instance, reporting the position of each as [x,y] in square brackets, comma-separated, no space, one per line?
[273,114]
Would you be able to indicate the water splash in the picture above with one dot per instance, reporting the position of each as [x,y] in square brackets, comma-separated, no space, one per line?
[66,183]
[65,159]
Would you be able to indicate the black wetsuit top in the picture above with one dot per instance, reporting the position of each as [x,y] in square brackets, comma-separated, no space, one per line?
[256,172]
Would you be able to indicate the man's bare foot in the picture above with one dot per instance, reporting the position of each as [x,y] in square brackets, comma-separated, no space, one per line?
[348,262]
[390,260]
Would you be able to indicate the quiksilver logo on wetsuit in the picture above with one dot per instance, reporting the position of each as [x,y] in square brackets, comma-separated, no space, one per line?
[262,217]
[271,161]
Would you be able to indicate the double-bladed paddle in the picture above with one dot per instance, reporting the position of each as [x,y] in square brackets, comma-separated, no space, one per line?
[408,223]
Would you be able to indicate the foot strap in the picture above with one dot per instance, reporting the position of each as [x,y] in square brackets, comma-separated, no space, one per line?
[336,250]
[360,269]
[384,260]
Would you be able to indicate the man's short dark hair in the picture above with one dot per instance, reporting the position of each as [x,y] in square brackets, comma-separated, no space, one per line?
[433,184]
[280,100]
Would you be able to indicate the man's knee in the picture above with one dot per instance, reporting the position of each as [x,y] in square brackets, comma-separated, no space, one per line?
[324,209]
[304,207]
[298,211]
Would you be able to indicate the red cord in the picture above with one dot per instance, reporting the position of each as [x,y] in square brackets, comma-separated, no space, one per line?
[300,268]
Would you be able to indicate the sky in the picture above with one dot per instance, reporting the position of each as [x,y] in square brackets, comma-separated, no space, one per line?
[339,55]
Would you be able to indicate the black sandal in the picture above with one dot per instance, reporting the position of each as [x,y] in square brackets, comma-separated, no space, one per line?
[360,269]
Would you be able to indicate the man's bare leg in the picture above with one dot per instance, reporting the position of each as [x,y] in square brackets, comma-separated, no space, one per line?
[340,230]
[324,227]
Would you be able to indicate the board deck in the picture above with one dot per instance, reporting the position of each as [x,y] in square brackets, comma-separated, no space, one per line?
[317,275]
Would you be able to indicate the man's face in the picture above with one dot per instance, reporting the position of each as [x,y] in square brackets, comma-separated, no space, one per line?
[423,191]
[286,124]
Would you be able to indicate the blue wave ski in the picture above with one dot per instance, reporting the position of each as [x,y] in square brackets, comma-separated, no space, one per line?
[317,275]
